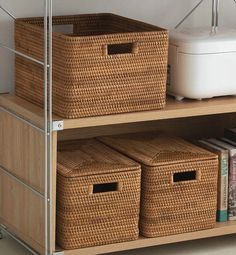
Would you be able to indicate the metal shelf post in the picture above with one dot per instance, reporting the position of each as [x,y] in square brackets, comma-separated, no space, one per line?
[48,128]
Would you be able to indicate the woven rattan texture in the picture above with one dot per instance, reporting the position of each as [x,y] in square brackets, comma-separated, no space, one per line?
[169,207]
[85,218]
[88,78]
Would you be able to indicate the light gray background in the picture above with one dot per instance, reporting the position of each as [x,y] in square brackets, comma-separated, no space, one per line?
[164,13]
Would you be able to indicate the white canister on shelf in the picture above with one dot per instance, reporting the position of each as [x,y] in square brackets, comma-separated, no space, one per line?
[202,63]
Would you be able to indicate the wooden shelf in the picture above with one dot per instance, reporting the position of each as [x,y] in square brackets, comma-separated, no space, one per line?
[220,230]
[173,110]
[18,136]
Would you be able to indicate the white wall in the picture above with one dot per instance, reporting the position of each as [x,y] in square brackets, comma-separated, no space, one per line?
[227,13]
[164,13]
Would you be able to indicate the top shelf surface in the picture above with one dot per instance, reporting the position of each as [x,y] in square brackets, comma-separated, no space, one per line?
[173,109]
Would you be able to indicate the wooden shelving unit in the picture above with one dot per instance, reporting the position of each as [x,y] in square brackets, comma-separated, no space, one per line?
[24,154]
[28,154]
[173,110]
[219,230]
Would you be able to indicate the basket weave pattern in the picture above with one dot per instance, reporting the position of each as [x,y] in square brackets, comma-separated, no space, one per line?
[89,79]
[85,218]
[169,207]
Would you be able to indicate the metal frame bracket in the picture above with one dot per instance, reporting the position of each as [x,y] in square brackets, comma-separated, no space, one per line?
[189,14]
[58,253]
[58,125]
[7,12]
[1,235]
[4,230]
[2,227]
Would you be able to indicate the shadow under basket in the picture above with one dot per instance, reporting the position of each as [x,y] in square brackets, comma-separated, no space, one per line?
[179,183]
[102,64]
[98,195]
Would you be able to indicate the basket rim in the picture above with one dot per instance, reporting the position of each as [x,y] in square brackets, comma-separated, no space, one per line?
[155,161]
[156,29]
[91,165]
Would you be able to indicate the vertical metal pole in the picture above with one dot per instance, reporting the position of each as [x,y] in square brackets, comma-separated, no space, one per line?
[215,15]
[46,125]
[50,124]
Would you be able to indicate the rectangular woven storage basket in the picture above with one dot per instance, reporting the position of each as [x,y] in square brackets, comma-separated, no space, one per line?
[179,183]
[103,64]
[98,195]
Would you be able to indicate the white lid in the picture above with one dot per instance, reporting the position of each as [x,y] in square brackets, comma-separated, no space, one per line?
[203,41]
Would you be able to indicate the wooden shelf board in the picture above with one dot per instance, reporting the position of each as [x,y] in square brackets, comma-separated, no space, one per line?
[23,108]
[220,230]
[173,110]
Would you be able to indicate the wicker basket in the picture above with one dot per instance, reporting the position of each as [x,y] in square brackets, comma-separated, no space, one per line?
[98,195]
[107,64]
[179,183]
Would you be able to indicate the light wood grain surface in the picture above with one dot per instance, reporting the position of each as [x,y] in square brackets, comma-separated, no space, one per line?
[173,110]
[22,212]
[22,151]
[220,229]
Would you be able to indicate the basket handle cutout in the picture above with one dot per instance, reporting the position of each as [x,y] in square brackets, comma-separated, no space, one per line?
[121,48]
[185,176]
[105,187]
[64,29]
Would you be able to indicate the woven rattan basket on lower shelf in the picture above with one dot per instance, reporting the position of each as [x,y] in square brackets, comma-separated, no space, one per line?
[98,195]
[102,64]
[179,183]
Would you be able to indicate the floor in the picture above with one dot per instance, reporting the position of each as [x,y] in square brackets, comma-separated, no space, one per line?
[214,246]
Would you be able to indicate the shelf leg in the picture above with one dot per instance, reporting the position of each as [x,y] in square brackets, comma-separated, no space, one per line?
[1,234]
[179,98]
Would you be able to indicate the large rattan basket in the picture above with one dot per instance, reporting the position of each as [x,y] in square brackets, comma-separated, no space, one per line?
[98,195]
[102,64]
[179,183]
